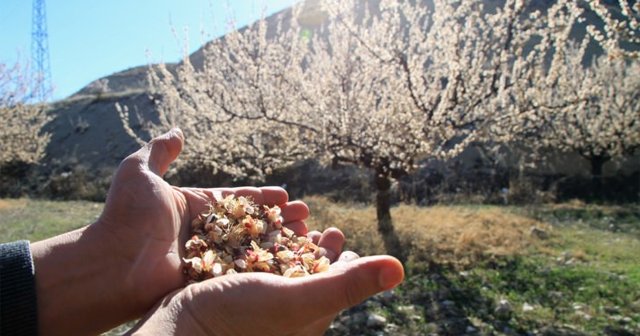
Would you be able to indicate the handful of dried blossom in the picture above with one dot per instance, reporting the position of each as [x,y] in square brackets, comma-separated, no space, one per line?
[237,235]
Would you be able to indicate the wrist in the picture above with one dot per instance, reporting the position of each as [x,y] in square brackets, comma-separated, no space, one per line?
[173,315]
[77,283]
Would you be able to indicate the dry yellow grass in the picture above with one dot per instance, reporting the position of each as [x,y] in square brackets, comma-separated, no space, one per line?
[12,203]
[445,234]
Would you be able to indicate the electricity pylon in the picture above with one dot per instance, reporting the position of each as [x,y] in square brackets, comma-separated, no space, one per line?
[41,67]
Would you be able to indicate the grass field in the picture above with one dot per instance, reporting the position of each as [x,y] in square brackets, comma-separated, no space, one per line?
[567,269]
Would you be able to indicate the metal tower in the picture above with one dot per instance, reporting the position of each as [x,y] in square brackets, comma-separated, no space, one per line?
[41,67]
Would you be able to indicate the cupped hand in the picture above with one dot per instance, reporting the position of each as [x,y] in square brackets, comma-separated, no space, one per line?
[267,304]
[147,221]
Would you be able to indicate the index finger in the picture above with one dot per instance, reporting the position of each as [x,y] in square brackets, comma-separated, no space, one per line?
[264,195]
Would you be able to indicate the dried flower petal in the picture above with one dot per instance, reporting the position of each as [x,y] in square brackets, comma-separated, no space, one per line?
[295,272]
[235,235]
[241,263]
[321,265]
[216,270]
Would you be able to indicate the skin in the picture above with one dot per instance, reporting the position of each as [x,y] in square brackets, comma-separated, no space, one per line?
[116,269]
[266,304]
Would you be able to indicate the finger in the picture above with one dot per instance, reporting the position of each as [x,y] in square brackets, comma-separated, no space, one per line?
[163,150]
[197,199]
[345,257]
[314,236]
[294,211]
[298,227]
[343,287]
[332,241]
[263,195]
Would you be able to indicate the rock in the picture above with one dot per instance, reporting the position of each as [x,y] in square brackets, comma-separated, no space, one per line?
[527,307]
[346,319]
[612,310]
[565,330]
[503,310]
[431,327]
[387,296]
[391,329]
[338,328]
[376,321]
[448,303]
[556,295]
[407,309]
[359,318]
[539,233]
[373,304]
[616,331]
[410,311]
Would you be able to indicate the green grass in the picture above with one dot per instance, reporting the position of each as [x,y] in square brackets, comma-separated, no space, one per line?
[577,295]
[35,220]
[584,279]
[39,219]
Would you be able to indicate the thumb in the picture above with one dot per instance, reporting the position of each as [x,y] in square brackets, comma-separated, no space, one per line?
[348,284]
[164,149]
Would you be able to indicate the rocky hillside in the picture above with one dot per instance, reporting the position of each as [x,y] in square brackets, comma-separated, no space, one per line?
[86,127]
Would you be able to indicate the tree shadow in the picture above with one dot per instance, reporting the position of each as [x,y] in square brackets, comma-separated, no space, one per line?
[392,243]
[445,305]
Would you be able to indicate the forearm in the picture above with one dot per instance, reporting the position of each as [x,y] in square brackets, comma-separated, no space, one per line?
[76,284]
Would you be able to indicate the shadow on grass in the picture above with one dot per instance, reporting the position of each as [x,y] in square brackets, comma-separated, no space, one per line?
[445,305]
[611,218]
[467,303]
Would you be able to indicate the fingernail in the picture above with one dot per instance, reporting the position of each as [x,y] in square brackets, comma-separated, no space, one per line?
[177,131]
[389,277]
[348,256]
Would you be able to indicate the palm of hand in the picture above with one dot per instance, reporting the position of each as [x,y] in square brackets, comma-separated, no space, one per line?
[150,219]
[266,304]
[145,215]
[268,301]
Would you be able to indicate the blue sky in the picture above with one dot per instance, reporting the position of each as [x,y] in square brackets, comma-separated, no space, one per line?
[92,39]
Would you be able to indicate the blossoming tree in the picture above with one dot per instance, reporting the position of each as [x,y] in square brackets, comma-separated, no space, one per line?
[21,136]
[379,85]
[570,98]
[238,108]
[412,81]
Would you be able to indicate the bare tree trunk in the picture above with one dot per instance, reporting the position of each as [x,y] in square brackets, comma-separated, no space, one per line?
[383,211]
[597,162]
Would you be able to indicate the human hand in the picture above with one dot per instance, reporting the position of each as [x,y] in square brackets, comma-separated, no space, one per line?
[267,304]
[119,267]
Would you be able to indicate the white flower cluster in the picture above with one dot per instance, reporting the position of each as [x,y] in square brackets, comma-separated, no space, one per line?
[620,33]
[21,136]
